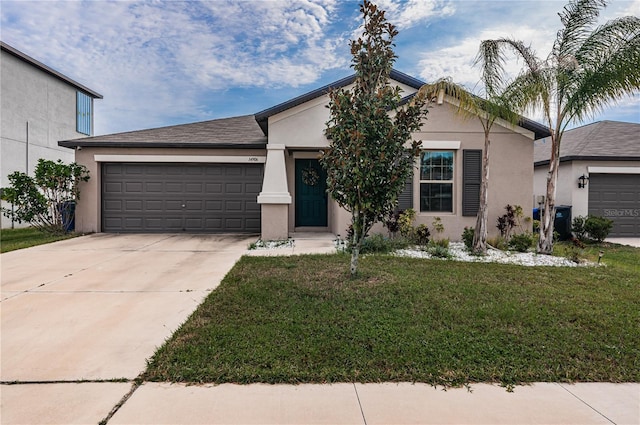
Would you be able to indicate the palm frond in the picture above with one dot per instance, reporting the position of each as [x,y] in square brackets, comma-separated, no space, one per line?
[614,76]
[467,104]
[578,18]
[491,58]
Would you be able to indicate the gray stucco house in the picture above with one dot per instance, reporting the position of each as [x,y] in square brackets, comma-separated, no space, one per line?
[260,173]
[599,173]
[39,107]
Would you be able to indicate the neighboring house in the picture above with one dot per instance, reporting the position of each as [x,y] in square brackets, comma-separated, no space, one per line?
[260,173]
[40,106]
[606,155]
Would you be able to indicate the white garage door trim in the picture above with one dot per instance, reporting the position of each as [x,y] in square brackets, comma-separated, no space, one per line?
[182,158]
[614,170]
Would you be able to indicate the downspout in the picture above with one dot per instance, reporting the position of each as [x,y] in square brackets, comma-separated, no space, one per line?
[27,151]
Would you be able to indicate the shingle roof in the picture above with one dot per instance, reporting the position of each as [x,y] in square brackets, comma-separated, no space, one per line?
[28,59]
[235,132]
[602,140]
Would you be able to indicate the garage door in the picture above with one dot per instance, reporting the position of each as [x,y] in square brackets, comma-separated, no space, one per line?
[617,197]
[197,198]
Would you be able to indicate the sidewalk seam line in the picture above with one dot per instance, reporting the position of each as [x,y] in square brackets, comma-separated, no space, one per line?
[359,403]
[119,404]
[587,404]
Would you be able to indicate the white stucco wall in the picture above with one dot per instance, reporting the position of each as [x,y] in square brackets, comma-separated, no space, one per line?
[37,111]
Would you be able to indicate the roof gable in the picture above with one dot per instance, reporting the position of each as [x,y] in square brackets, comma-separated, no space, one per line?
[263,116]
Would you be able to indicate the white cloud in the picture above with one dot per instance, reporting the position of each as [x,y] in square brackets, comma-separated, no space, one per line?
[408,13]
[154,60]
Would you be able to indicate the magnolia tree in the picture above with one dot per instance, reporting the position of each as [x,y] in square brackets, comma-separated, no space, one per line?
[368,161]
[45,200]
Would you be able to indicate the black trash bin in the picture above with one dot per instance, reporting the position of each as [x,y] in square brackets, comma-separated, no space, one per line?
[562,221]
[68,211]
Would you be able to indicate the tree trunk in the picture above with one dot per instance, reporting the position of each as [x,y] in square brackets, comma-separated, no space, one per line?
[545,242]
[355,251]
[480,233]
[358,235]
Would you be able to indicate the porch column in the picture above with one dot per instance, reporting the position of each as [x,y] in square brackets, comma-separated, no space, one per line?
[275,198]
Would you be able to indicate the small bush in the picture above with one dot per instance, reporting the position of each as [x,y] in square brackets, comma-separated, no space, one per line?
[392,224]
[422,235]
[521,242]
[598,228]
[440,242]
[439,251]
[405,222]
[467,237]
[379,244]
[498,243]
[577,227]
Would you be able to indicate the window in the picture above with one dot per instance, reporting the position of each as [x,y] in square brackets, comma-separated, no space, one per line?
[436,181]
[84,113]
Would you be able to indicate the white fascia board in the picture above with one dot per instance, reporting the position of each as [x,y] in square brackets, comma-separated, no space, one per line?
[439,144]
[614,170]
[234,159]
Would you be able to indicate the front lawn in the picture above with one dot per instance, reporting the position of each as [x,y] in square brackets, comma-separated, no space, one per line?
[301,319]
[12,239]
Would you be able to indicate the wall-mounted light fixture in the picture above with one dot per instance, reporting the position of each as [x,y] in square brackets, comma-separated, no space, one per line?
[582,181]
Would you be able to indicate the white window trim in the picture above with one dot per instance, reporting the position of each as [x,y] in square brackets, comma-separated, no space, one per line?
[439,145]
[452,182]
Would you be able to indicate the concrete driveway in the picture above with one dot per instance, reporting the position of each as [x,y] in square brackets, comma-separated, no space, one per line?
[93,309]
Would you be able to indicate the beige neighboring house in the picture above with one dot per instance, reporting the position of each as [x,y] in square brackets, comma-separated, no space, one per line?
[39,107]
[260,173]
[599,173]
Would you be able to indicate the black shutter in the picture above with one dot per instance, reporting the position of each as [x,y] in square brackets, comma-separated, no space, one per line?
[471,180]
[405,200]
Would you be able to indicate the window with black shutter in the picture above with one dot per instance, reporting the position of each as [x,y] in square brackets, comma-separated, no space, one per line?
[471,180]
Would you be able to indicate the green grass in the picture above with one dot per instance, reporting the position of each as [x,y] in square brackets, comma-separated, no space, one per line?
[302,319]
[12,239]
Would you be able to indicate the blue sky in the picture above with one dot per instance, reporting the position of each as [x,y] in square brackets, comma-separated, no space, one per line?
[162,63]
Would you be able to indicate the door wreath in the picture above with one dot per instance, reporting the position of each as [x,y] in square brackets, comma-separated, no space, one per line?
[310,176]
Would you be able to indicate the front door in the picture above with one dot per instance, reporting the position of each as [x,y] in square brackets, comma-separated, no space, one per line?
[311,193]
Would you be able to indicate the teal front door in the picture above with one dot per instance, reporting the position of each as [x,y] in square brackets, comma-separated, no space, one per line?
[311,193]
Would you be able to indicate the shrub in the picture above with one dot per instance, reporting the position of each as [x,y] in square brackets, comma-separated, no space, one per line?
[440,242]
[46,200]
[598,228]
[405,222]
[521,242]
[498,243]
[392,223]
[439,251]
[577,227]
[422,234]
[467,237]
[379,244]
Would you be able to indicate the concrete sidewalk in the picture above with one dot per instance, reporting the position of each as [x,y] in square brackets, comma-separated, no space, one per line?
[404,403]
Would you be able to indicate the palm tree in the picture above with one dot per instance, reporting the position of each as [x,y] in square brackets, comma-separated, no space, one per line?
[588,68]
[488,111]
